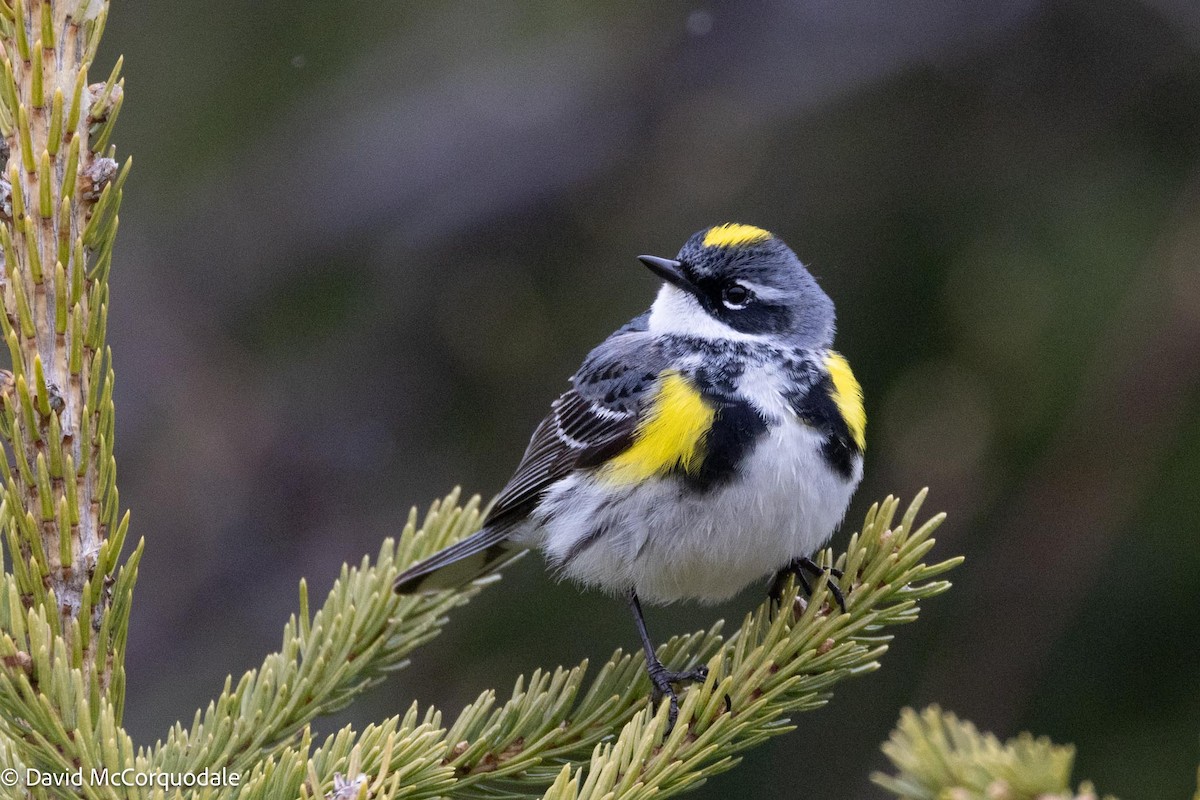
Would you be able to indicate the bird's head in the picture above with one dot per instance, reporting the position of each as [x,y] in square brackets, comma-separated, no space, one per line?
[740,282]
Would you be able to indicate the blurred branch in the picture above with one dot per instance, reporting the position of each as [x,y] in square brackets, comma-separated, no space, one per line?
[939,757]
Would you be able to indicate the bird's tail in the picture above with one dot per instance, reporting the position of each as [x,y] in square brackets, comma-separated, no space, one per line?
[460,563]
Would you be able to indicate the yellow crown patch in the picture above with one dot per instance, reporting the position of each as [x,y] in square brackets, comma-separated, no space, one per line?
[732,234]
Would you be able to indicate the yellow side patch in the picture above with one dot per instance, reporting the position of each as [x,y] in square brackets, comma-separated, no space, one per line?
[731,235]
[670,436]
[848,397]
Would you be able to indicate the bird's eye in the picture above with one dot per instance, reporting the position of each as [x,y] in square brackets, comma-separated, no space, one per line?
[735,296]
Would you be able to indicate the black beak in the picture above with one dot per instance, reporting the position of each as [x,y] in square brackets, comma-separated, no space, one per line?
[670,271]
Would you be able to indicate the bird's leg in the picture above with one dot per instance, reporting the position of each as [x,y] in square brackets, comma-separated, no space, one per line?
[660,677]
[800,566]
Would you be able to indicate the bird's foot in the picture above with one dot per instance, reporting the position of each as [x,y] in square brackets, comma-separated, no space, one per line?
[798,568]
[662,679]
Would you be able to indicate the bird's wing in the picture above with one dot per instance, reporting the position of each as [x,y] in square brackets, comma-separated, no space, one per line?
[576,434]
[590,423]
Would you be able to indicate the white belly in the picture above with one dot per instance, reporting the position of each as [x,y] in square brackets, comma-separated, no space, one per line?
[671,542]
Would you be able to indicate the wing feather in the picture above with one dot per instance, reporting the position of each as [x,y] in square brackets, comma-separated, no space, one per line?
[457,564]
[578,433]
[590,423]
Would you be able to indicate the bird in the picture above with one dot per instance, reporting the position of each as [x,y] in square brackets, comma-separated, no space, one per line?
[712,441]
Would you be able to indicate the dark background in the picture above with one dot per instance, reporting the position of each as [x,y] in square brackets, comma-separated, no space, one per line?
[364,244]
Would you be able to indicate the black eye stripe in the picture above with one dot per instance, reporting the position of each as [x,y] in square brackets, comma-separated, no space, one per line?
[755,316]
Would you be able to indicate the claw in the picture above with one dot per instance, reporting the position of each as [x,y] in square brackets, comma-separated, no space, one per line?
[798,568]
[662,680]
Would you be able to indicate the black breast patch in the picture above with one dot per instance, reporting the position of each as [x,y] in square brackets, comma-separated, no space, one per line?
[735,430]
[816,408]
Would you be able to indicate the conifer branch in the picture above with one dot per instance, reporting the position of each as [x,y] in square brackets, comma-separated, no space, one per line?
[53,716]
[773,666]
[776,664]
[363,632]
[60,511]
[936,755]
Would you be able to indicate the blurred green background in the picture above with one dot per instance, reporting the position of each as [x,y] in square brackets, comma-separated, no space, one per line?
[364,245]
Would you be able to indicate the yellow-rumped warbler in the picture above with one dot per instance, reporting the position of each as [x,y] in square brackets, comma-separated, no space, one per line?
[709,442]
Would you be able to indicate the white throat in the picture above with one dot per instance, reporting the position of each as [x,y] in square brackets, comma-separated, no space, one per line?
[676,312]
